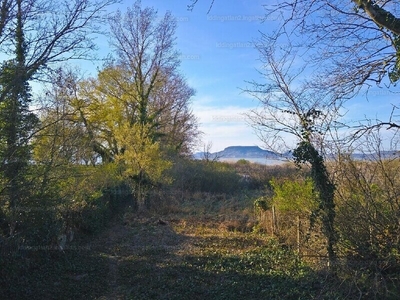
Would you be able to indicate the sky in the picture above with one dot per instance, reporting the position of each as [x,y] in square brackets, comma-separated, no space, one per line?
[218,59]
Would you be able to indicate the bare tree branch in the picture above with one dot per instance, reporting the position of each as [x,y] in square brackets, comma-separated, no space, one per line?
[194,2]
[54,31]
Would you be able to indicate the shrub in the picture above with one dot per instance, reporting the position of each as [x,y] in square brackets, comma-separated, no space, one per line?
[368,218]
[206,176]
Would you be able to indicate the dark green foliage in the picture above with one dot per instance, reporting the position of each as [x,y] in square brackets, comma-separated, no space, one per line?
[394,74]
[305,152]
[16,126]
[262,204]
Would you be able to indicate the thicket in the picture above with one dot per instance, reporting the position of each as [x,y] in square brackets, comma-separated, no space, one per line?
[367,222]
[368,213]
[366,206]
[92,144]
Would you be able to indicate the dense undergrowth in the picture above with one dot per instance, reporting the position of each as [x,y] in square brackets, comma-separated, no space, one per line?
[200,238]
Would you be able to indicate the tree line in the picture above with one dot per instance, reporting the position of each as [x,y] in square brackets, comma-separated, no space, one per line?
[78,136]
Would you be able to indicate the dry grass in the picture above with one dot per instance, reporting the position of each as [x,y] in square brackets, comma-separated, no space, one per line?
[204,248]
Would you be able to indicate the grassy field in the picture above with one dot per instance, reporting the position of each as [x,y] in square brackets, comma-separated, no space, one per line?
[200,251]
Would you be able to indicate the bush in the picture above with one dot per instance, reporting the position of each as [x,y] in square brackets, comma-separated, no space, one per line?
[368,218]
[206,176]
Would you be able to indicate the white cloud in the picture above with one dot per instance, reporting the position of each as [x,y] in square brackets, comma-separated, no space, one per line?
[224,126]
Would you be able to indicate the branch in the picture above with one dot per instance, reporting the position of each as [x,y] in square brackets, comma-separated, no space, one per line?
[190,7]
[390,125]
[380,16]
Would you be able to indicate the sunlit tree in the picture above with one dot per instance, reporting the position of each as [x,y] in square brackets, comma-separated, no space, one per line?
[300,111]
[135,113]
[34,36]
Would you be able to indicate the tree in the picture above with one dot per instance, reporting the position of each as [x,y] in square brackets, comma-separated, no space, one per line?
[135,113]
[112,98]
[34,35]
[145,49]
[159,96]
[299,108]
[62,139]
[143,164]
[54,31]
[364,35]
[16,123]
[354,44]
[363,29]
[177,125]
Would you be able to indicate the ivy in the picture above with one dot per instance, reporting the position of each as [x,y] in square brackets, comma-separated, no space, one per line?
[394,74]
[305,152]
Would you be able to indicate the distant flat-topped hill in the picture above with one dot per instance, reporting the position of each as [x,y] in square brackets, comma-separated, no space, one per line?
[245,152]
[234,153]
[240,152]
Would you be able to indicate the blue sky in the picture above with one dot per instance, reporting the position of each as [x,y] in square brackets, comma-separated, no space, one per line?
[218,58]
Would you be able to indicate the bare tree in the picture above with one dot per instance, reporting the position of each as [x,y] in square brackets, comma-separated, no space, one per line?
[359,34]
[354,49]
[207,155]
[354,44]
[289,103]
[176,123]
[298,108]
[145,49]
[54,31]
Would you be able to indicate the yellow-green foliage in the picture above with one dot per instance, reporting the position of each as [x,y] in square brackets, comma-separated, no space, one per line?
[295,195]
[141,153]
[141,160]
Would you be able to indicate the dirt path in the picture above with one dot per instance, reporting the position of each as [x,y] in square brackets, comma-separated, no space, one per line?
[113,275]
[139,240]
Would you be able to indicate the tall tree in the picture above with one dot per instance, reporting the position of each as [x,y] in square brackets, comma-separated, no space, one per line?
[355,44]
[291,107]
[136,111]
[144,45]
[146,48]
[34,35]
[17,122]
